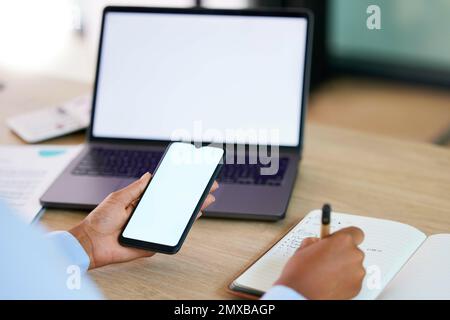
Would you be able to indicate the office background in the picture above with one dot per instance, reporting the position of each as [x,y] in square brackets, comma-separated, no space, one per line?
[392,81]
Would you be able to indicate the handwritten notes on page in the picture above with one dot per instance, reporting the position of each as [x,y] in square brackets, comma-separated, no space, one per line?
[387,246]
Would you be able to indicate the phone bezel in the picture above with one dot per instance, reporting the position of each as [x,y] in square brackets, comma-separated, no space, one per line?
[161,248]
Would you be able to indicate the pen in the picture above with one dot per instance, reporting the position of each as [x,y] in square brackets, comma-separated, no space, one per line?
[326,219]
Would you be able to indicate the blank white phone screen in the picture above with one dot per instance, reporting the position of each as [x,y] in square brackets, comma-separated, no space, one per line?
[173,194]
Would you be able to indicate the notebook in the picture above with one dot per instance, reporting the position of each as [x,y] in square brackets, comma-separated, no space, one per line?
[400,261]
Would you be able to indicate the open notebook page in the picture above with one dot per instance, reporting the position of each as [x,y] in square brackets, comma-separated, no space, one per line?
[426,275]
[387,247]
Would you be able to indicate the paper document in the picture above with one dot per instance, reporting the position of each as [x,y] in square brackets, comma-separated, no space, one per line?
[27,171]
[387,247]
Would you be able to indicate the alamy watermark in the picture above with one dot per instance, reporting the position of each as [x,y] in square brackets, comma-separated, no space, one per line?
[373,21]
[241,146]
[73,281]
[373,277]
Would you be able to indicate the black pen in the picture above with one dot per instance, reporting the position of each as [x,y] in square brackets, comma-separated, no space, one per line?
[326,220]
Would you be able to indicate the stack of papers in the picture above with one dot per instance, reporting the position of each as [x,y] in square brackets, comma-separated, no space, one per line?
[27,171]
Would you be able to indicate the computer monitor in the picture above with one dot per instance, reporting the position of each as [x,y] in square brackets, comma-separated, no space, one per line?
[164,72]
[412,43]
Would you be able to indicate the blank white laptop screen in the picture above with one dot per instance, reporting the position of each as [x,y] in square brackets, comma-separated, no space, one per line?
[162,75]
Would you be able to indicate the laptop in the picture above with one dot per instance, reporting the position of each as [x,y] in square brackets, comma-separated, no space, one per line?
[237,78]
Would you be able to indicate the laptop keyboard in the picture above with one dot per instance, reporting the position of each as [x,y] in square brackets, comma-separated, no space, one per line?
[134,163]
[117,162]
[251,174]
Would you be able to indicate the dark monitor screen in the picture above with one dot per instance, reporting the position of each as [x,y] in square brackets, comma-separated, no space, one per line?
[413,39]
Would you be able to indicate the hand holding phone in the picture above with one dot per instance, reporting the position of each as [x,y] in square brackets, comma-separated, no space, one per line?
[170,203]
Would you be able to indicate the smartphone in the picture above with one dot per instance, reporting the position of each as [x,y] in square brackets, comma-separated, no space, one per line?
[171,201]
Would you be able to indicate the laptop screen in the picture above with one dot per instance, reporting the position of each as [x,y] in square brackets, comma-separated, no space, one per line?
[215,78]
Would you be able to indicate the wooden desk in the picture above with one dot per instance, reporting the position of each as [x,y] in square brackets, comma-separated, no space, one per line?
[358,173]
[389,108]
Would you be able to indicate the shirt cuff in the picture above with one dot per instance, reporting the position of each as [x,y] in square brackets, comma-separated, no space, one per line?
[71,247]
[282,293]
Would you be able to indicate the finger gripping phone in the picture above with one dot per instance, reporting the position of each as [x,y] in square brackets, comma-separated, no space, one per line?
[171,201]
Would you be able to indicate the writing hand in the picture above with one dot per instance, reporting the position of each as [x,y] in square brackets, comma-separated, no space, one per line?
[329,268]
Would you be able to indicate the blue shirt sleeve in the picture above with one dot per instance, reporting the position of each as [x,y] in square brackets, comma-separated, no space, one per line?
[282,293]
[73,250]
[33,266]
